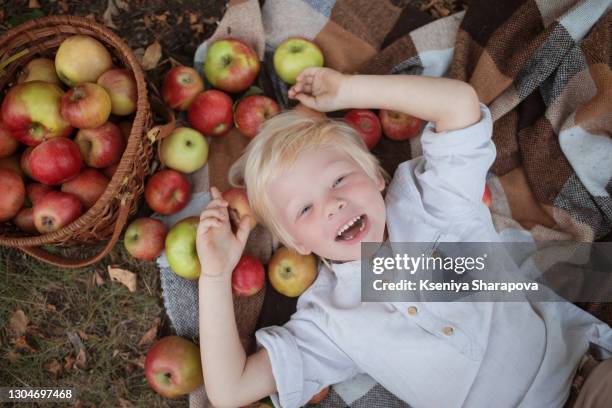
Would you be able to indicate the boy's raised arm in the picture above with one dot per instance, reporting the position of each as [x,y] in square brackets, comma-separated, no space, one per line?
[230,378]
[448,103]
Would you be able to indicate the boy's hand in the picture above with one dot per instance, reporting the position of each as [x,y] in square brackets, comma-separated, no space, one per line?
[322,89]
[218,248]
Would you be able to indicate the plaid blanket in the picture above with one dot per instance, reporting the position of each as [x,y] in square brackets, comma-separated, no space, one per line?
[542,67]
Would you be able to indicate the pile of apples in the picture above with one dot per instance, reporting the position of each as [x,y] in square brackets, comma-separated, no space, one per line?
[62,134]
[231,67]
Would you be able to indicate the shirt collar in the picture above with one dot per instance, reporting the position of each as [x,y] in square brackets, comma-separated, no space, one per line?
[347,292]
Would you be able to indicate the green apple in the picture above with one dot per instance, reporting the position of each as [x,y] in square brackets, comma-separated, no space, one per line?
[181,248]
[294,55]
[184,150]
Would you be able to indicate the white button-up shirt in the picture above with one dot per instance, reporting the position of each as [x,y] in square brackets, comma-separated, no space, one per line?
[478,354]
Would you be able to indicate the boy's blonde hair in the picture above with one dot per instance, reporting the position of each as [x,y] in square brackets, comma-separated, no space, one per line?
[277,146]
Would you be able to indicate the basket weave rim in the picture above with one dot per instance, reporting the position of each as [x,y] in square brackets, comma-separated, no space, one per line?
[136,136]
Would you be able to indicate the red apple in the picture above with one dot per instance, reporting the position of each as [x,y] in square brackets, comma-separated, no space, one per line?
[181,85]
[211,113]
[486,196]
[110,171]
[24,220]
[12,194]
[125,127]
[231,65]
[81,58]
[24,161]
[55,161]
[101,146]
[291,273]
[36,191]
[8,144]
[252,112]
[167,192]
[12,163]
[144,238]
[238,206]
[31,112]
[399,126]
[88,186]
[56,210]
[86,105]
[248,276]
[39,69]
[173,367]
[121,87]
[366,123]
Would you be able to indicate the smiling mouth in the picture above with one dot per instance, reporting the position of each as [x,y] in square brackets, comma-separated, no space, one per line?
[354,231]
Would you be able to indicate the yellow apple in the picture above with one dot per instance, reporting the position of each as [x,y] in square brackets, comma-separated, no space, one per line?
[291,273]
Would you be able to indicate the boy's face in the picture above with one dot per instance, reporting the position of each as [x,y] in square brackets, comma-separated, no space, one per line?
[322,193]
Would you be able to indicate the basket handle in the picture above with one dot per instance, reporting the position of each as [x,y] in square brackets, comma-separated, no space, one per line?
[58,260]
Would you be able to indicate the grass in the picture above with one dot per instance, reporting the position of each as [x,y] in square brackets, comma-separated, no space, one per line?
[64,305]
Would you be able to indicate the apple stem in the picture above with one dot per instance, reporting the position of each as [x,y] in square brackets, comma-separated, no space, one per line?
[77,94]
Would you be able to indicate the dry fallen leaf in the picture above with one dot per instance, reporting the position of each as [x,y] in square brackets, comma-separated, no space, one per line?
[83,335]
[125,403]
[81,359]
[151,334]
[12,356]
[109,13]
[97,278]
[63,6]
[197,28]
[141,361]
[21,343]
[51,307]
[18,323]
[54,367]
[193,17]
[69,362]
[33,4]
[123,276]
[151,56]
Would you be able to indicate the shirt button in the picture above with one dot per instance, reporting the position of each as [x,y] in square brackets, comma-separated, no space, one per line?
[448,330]
[412,310]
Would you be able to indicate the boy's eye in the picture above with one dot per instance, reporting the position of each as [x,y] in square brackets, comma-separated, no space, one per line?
[305,209]
[338,180]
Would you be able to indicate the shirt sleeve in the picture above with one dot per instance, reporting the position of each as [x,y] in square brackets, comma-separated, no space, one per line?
[304,359]
[453,169]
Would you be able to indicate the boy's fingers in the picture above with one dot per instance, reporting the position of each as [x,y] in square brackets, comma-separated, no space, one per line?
[215,192]
[217,202]
[307,100]
[306,73]
[213,212]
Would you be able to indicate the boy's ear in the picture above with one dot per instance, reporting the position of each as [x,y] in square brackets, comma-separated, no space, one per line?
[381,183]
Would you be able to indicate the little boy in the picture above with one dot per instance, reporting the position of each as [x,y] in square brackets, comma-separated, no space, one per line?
[314,185]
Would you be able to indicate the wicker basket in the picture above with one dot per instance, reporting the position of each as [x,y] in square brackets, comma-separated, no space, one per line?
[105,220]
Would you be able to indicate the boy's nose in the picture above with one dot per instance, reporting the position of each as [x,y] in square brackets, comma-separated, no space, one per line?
[335,207]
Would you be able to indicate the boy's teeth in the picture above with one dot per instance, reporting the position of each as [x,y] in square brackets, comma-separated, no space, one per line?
[348,225]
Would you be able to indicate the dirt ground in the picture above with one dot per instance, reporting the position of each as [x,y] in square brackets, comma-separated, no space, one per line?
[75,327]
